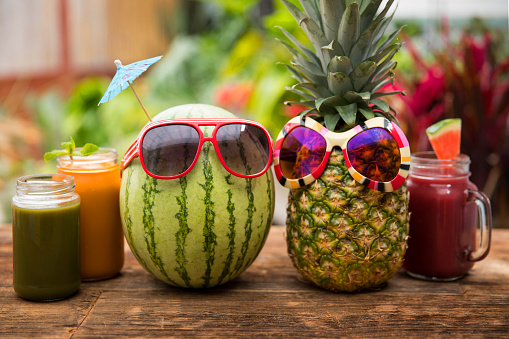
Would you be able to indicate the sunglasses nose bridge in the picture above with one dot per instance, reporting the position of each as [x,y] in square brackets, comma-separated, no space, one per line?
[207,130]
[211,140]
[337,139]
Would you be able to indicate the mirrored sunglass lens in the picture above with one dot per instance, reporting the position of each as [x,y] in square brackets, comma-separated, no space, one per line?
[244,148]
[301,152]
[374,153]
[169,150]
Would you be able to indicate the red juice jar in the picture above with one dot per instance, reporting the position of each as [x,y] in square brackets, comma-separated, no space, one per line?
[445,207]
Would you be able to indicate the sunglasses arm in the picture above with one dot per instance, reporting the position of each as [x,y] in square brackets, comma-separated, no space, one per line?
[131,153]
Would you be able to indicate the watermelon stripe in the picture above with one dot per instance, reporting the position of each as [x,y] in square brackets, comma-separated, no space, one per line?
[248,228]
[210,238]
[254,141]
[270,202]
[250,260]
[151,162]
[181,235]
[270,195]
[129,222]
[268,220]
[189,156]
[149,192]
[127,216]
[243,156]
[231,233]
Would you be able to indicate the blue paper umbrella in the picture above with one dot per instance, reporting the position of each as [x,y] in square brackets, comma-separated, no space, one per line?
[124,78]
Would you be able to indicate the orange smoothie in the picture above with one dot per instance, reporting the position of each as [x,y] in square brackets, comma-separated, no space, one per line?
[97,179]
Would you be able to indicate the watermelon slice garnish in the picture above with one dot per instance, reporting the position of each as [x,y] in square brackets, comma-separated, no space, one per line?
[445,138]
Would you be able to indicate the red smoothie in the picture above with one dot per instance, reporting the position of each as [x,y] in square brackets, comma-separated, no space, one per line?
[443,220]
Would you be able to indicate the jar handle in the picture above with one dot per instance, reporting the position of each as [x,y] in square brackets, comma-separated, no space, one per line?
[484,213]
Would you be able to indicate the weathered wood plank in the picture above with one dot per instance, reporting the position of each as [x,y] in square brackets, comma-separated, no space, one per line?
[272,271]
[59,319]
[304,314]
[269,299]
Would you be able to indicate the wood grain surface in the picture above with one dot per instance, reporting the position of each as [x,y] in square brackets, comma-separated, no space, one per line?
[268,300]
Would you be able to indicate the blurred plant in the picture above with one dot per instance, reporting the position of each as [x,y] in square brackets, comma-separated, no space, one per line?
[19,138]
[231,63]
[225,54]
[234,7]
[113,125]
[480,96]
[468,80]
[234,96]
[48,112]
[19,142]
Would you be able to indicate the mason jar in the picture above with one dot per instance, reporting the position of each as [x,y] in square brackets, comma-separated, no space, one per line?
[46,237]
[445,210]
[97,178]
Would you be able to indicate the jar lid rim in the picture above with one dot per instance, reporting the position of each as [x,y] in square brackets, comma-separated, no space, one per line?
[46,178]
[45,184]
[103,156]
[430,156]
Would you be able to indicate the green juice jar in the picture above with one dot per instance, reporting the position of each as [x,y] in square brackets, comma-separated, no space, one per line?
[45,237]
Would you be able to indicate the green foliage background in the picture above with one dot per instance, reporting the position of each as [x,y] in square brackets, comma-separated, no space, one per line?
[218,43]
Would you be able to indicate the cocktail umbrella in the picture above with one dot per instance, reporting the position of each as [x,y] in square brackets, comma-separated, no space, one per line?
[124,78]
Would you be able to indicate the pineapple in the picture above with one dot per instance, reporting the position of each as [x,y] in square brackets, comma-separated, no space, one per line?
[341,235]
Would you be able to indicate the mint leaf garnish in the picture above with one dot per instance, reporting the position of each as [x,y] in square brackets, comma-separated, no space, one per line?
[69,146]
[53,154]
[68,149]
[88,149]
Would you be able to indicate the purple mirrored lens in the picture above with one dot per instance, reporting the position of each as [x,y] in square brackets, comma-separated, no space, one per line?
[301,152]
[169,150]
[244,148]
[374,153]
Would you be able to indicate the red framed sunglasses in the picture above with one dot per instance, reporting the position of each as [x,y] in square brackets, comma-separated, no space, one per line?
[169,149]
[376,153]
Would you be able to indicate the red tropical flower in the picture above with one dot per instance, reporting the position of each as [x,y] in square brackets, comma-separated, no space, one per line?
[234,96]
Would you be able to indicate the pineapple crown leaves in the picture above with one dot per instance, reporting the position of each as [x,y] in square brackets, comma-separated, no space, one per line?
[340,81]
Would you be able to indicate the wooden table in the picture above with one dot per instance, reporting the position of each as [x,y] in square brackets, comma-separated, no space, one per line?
[267,300]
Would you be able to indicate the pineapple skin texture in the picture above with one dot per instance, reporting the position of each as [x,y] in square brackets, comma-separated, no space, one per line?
[343,236]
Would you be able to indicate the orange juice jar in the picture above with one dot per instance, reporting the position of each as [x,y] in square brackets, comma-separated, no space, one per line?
[97,179]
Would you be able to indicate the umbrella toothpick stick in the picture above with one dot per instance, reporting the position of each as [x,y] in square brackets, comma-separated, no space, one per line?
[136,95]
[125,76]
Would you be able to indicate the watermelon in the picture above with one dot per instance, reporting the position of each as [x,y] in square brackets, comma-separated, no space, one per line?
[203,229]
[445,138]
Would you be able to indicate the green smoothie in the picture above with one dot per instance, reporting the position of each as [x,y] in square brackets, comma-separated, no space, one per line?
[46,252]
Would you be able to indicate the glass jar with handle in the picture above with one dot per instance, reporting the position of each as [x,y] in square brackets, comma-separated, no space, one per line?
[445,208]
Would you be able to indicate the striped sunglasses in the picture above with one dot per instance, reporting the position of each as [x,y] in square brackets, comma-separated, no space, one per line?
[376,153]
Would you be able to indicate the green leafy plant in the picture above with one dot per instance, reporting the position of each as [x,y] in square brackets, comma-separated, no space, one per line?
[234,63]
[68,149]
[465,78]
